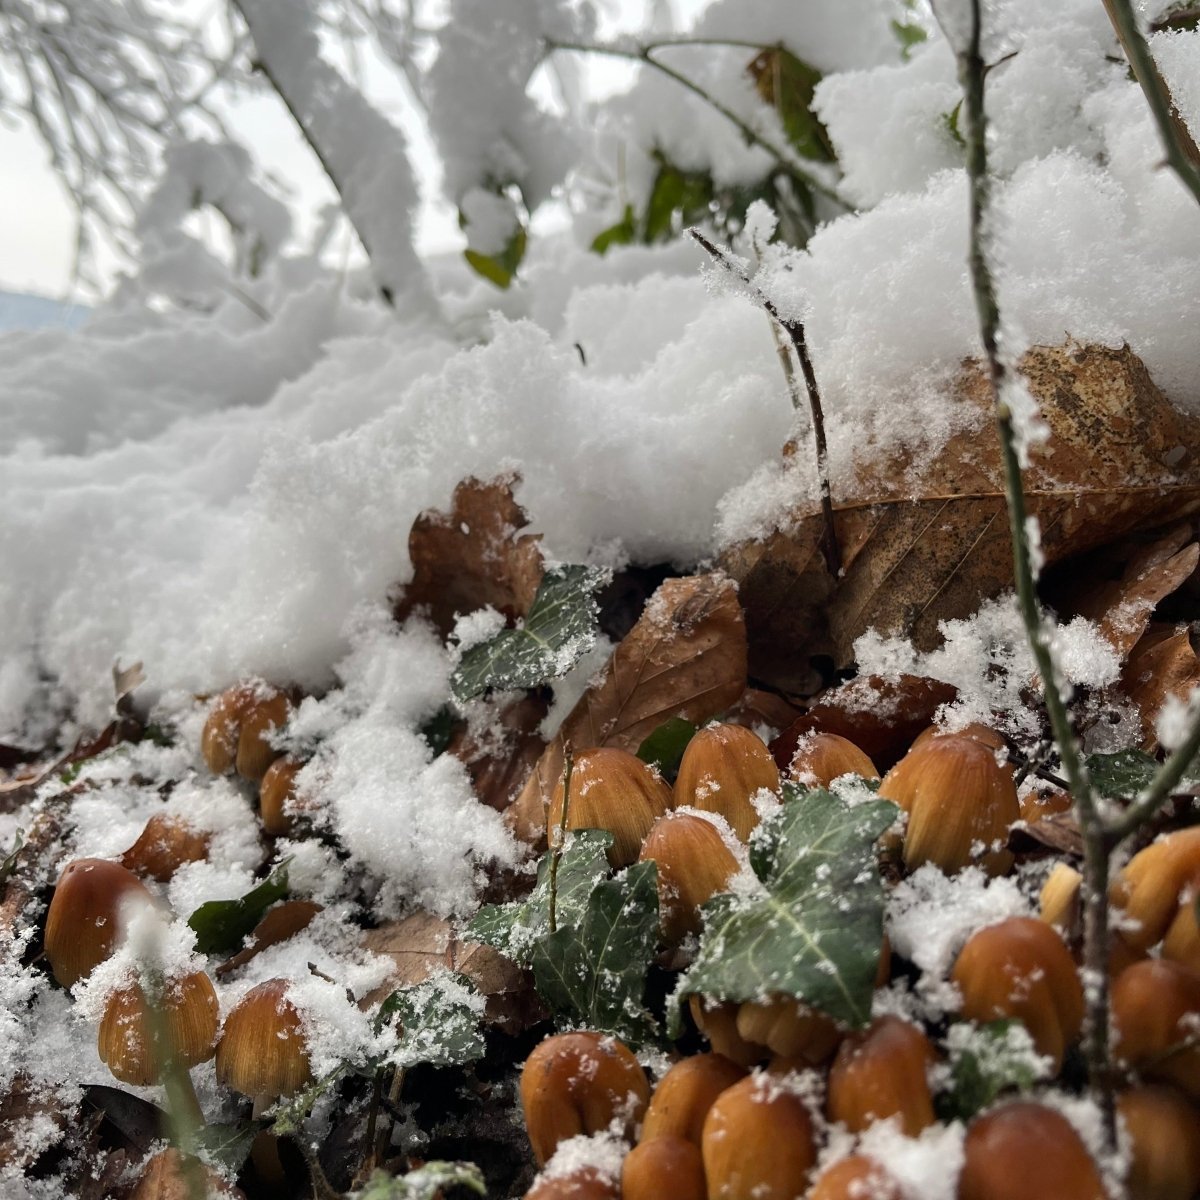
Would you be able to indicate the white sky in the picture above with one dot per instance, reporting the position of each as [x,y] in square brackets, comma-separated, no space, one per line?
[37,222]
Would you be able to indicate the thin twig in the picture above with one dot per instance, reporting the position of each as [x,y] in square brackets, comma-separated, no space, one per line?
[972,72]
[644,54]
[1183,155]
[557,849]
[795,330]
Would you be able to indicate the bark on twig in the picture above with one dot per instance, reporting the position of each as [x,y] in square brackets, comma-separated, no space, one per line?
[795,331]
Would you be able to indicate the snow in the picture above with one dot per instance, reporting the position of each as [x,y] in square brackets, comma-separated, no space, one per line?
[217,475]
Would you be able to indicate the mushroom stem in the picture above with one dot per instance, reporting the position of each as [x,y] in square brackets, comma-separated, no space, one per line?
[182,1100]
[264,1152]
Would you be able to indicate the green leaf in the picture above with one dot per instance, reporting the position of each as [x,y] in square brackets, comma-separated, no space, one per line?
[501,268]
[221,925]
[9,863]
[950,121]
[514,929]
[594,972]
[688,194]
[621,234]
[424,1183]
[288,1116]
[986,1060]
[815,930]
[665,746]
[560,628]
[227,1145]
[439,729]
[910,35]
[437,1022]
[1124,774]
[787,83]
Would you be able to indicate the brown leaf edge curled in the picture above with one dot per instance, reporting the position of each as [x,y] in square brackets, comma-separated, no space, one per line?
[422,944]
[685,657]
[1119,459]
[471,557]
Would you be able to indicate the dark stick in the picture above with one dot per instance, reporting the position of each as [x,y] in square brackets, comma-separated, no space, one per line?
[795,331]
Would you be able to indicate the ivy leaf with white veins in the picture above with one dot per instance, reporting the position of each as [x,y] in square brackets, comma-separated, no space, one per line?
[815,930]
[515,928]
[424,1182]
[558,630]
[1124,774]
[436,1021]
[594,972]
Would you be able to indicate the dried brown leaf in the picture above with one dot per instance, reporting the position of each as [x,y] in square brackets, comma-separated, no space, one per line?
[26,1112]
[500,758]
[169,1176]
[280,923]
[1123,607]
[421,944]
[1163,664]
[685,657]
[880,716]
[757,708]
[472,556]
[1119,459]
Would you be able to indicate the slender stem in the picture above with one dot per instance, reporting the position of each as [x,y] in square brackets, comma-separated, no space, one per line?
[556,852]
[972,72]
[795,331]
[644,54]
[1183,155]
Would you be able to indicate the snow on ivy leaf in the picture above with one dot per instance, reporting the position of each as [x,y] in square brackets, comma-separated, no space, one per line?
[815,929]
[515,928]
[558,630]
[594,972]
[436,1022]
[424,1182]
[1124,774]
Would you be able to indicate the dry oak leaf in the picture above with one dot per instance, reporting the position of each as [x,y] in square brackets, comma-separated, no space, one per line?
[1163,664]
[421,944]
[472,556]
[1119,459]
[1123,607]
[685,657]
[500,757]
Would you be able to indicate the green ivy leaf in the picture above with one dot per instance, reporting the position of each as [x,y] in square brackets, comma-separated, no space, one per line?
[787,83]
[594,972]
[227,1145]
[674,191]
[560,628]
[437,1022]
[514,929]
[985,1061]
[815,930]
[665,746]
[221,925]
[1124,774]
[424,1183]
[501,268]
[621,234]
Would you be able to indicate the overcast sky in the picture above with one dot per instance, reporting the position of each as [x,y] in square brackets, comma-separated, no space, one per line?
[37,223]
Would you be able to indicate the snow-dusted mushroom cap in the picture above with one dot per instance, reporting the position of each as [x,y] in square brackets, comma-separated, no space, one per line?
[189,1013]
[87,917]
[723,767]
[263,1050]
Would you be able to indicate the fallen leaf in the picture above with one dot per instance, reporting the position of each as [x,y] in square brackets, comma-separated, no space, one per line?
[422,943]
[685,657]
[1163,664]
[500,756]
[1059,831]
[757,708]
[280,923]
[472,557]
[880,716]
[1119,459]
[27,1113]
[1123,607]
